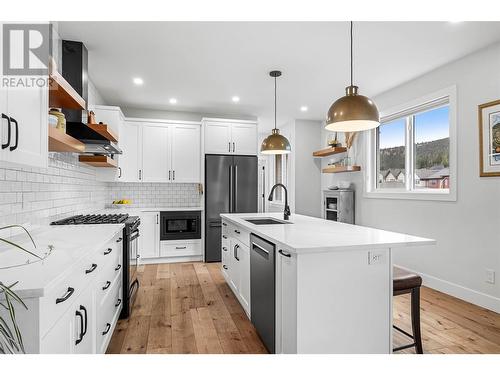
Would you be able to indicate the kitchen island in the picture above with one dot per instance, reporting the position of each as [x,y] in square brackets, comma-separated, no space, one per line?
[331,283]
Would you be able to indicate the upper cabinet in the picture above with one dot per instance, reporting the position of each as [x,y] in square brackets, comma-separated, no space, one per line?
[186,153]
[23,123]
[156,153]
[230,137]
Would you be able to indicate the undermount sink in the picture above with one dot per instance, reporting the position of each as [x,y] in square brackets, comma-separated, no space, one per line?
[266,221]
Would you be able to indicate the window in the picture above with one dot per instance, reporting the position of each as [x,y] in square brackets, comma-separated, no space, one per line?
[280,175]
[410,152]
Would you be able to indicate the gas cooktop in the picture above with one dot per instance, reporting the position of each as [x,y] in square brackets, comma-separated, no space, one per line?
[92,219]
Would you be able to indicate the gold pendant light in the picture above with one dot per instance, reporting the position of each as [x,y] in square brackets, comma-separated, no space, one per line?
[275,143]
[352,112]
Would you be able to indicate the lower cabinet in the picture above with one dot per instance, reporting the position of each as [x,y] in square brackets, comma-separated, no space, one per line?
[236,263]
[149,240]
[78,315]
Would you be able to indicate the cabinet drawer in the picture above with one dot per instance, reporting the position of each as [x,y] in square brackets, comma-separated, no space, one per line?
[112,251]
[180,248]
[107,281]
[106,317]
[63,295]
[240,234]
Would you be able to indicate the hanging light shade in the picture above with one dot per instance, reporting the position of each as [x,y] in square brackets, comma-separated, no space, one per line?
[352,112]
[275,143]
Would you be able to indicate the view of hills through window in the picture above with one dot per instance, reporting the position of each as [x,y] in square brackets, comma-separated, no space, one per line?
[430,151]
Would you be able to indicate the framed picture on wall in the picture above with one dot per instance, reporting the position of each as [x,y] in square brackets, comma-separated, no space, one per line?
[489,139]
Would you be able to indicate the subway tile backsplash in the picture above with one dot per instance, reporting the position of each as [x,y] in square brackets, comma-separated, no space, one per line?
[67,187]
[155,194]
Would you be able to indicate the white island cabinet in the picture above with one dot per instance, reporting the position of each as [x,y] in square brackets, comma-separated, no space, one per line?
[74,296]
[333,281]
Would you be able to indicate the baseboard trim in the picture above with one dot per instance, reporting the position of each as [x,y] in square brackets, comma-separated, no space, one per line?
[197,258]
[469,295]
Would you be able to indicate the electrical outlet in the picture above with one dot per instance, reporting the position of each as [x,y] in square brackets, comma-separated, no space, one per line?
[490,276]
[376,257]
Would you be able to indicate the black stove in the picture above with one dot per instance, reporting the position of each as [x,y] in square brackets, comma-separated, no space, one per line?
[92,219]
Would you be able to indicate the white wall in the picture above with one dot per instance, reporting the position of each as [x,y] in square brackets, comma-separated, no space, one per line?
[468,230]
[177,115]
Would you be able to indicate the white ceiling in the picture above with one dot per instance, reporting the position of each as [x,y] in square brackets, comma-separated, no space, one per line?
[204,64]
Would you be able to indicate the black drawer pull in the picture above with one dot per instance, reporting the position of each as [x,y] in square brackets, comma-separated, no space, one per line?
[80,336]
[4,146]
[237,231]
[224,266]
[108,327]
[224,224]
[12,148]
[224,236]
[108,251]
[224,248]
[180,247]
[91,269]
[108,283]
[284,254]
[119,239]
[68,294]
[118,267]
[118,303]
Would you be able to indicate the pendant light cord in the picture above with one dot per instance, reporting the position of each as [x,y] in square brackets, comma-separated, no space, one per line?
[351,54]
[275,105]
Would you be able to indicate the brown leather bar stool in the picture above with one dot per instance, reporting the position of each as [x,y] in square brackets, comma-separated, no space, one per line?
[404,282]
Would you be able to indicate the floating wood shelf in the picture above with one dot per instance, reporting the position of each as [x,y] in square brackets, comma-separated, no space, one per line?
[105,131]
[61,142]
[101,161]
[340,169]
[62,95]
[329,151]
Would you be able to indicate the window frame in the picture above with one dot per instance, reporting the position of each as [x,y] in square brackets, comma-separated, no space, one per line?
[435,100]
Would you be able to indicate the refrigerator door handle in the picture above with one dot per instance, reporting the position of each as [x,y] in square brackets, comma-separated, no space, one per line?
[230,188]
[235,196]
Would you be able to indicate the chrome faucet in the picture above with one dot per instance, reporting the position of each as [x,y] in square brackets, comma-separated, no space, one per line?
[286,212]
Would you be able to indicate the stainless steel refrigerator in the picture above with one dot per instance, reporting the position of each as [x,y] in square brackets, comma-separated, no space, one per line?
[230,187]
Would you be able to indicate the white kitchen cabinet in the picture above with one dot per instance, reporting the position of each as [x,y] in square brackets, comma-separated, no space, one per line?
[244,138]
[244,279]
[186,148]
[128,162]
[156,153]
[84,323]
[230,137]
[218,138]
[149,240]
[234,266]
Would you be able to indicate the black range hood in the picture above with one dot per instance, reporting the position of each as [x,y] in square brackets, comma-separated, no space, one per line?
[75,71]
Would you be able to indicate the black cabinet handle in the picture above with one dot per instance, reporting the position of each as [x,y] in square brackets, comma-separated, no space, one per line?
[4,146]
[173,175]
[119,239]
[91,269]
[180,247]
[80,336]
[237,231]
[233,147]
[157,219]
[224,266]
[120,172]
[169,175]
[284,254]
[118,267]
[224,248]
[224,224]
[68,294]
[106,286]
[108,327]
[12,148]
[140,174]
[235,252]
[109,250]
[224,236]
[229,146]
[86,319]
[118,303]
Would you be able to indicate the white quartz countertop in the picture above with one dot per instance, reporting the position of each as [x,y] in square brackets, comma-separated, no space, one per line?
[131,210]
[310,234]
[71,243]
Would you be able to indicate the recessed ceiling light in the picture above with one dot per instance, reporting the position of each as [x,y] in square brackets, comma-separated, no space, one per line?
[235,99]
[304,108]
[138,81]
[172,101]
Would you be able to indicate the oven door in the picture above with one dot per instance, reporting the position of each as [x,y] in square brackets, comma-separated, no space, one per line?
[133,256]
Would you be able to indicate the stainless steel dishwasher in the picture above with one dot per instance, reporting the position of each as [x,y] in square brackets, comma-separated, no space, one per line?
[263,290]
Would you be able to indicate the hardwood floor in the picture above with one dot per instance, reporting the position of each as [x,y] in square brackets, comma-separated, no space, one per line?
[188,308]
